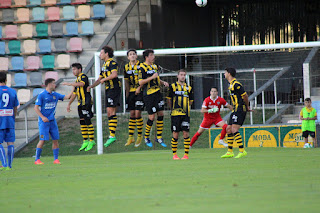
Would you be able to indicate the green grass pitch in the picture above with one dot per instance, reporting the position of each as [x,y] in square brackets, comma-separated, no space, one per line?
[266,180]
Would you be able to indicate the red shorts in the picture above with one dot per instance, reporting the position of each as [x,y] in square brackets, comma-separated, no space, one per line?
[207,123]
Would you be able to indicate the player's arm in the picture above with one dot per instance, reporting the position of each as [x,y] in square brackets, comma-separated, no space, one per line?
[191,97]
[37,110]
[15,111]
[244,96]
[65,97]
[164,83]
[169,97]
[127,86]
[96,83]
[74,84]
[230,107]
[147,80]
[73,97]
[315,117]
[113,75]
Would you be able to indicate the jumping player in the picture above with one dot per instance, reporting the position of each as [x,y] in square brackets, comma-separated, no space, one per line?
[211,112]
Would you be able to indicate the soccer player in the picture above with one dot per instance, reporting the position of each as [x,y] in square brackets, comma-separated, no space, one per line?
[150,81]
[45,108]
[211,112]
[8,110]
[134,97]
[308,115]
[240,104]
[109,76]
[84,106]
[180,99]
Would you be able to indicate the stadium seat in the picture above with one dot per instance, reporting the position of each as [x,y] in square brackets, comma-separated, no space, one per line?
[72,29]
[35,79]
[16,64]
[64,2]
[53,14]
[14,47]
[8,80]
[4,64]
[11,32]
[48,62]
[26,31]
[19,3]
[23,95]
[38,14]
[99,11]
[33,63]
[63,62]
[44,46]
[84,12]
[2,48]
[0,32]
[37,91]
[29,47]
[87,28]
[108,1]
[56,29]
[94,1]
[51,74]
[34,3]
[5,4]
[22,15]
[60,45]
[49,3]
[20,80]
[7,16]
[79,2]
[75,45]
[42,30]
[68,13]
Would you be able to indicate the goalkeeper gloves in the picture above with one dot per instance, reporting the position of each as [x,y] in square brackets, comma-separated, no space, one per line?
[213,110]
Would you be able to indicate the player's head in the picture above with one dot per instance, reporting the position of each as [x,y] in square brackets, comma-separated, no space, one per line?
[3,77]
[230,73]
[307,102]
[132,55]
[213,92]
[76,68]
[50,84]
[106,53]
[148,55]
[182,75]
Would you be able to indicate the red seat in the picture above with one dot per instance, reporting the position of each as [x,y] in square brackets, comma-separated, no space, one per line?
[51,74]
[11,32]
[53,14]
[5,3]
[75,45]
[79,2]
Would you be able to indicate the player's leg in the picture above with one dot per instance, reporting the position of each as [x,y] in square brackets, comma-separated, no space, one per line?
[149,124]
[139,124]
[174,144]
[230,137]
[43,136]
[54,132]
[160,128]
[305,135]
[90,133]
[205,124]
[237,136]
[84,133]
[186,145]
[132,126]
[10,138]
[113,122]
[313,135]
[3,157]
[223,133]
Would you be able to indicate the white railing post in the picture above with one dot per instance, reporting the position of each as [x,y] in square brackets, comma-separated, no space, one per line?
[255,87]
[123,96]
[221,84]
[98,106]
[26,124]
[275,97]
[263,109]
[251,115]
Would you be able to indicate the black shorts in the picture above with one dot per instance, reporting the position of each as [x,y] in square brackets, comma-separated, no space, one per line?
[306,133]
[134,102]
[85,111]
[180,123]
[237,118]
[113,97]
[154,103]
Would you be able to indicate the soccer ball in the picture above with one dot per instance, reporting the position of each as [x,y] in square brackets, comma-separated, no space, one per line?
[201,3]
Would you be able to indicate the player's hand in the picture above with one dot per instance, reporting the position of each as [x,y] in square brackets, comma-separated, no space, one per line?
[138,91]
[213,110]
[250,110]
[166,84]
[155,75]
[66,83]
[102,80]
[88,89]
[45,119]
[68,109]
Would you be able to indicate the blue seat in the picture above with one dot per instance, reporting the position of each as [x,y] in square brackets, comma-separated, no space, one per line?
[72,29]
[99,11]
[38,14]
[87,28]
[34,3]
[44,46]
[37,91]
[64,2]
[20,79]
[68,13]
[2,48]
[17,63]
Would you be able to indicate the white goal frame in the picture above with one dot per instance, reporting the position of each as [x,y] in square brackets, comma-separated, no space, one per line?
[194,50]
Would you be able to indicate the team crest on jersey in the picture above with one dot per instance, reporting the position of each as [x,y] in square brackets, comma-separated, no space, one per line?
[54,97]
[130,72]
[151,71]
[218,103]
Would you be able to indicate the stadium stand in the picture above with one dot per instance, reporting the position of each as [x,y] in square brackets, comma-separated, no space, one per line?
[37,91]
[72,29]
[5,4]
[26,31]
[83,12]
[56,29]
[22,15]
[36,79]
[49,3]
[0,32]
[51,74]
[87,28]
[75,45]
[60,45]
[20,80]
[38,14]
[44,46]
[99,11]
[79,2]
[34,3]
[41,30]
[48,62]
[63,62]
[53,14]
[7,16]
[14,47]
[4,64]
[29,47]
[16,64]
[68,13]
[64,2]
[2,48]
[33,63]
[11,32]
[23,95]
[19,3]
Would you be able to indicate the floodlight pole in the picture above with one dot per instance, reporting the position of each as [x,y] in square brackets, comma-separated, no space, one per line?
[98,106]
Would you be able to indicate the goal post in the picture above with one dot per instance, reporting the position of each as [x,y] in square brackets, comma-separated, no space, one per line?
[205,58]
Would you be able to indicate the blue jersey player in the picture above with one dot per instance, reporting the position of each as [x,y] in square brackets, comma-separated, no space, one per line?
[8,109]
[46,108]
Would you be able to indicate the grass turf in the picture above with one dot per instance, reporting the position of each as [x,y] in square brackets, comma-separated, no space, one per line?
[267,180]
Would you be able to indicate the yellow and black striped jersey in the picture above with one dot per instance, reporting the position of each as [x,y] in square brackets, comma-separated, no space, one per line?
[108,67]
[237,92]
[83,96]
[181,95]
[131,73]
[145,72]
